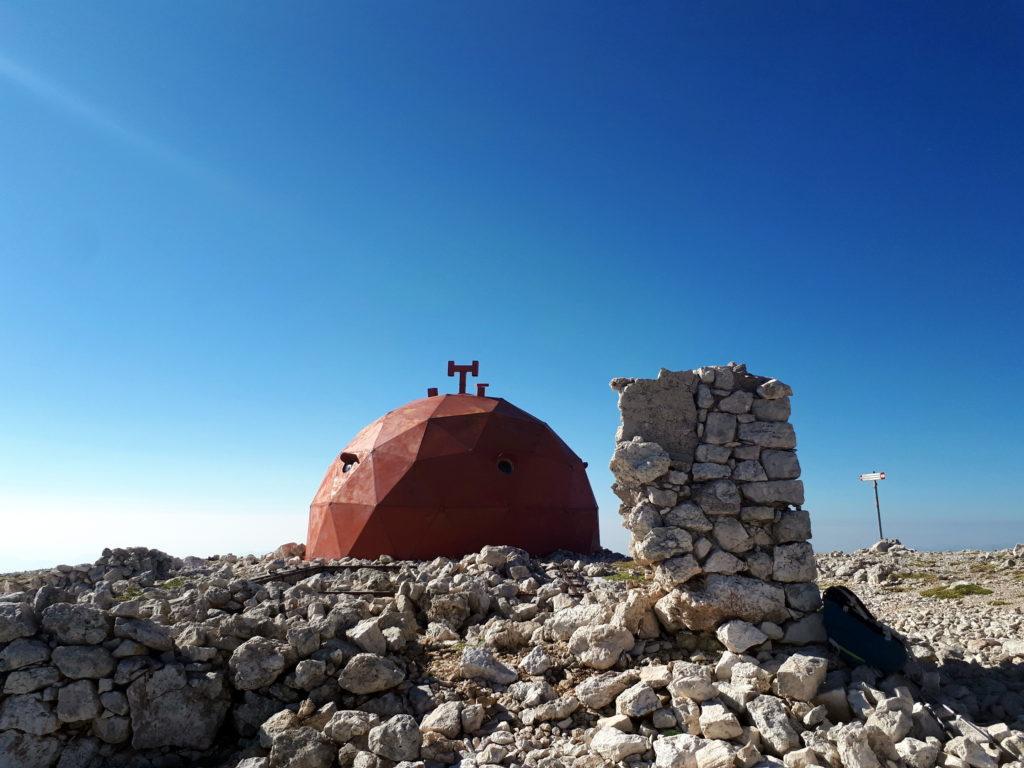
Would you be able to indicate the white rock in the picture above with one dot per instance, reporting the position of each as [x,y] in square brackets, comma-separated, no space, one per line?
[750,675]
[369,673]
[718,497]
[612,744]
[678,751]
[716,754]
[722,598]
[480,663]
[894,724]
[473,717]
[800,758]
[971,753]
[275,725]
[738,402]
[558,709]
[676,570]
[173,708]
[749,472]
[17,620]
[738,636]
[720,428]
[638,700]
[349,725]
[302,747]
[662,543]
[636,462]
[689,516]
[536,662]
[800,676]
[854,748]
[723,562]
[664,718]
[256,663]
[75,624]
[702,472]
[309,673]
[794,562]
[916,753]
[396,739]
[600,647]
[772,720]
[717,722]
[732,536]
[774,492]
[564,622]
[773,389]
[599,691]
[368,637]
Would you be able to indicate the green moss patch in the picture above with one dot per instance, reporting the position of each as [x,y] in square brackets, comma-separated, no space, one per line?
[628,571]
[129,594]
[955,592]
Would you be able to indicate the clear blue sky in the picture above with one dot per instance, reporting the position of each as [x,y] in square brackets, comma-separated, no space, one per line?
[233,233]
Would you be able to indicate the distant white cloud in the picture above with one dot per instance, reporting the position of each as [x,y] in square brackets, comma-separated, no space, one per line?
[43,530]
[59,98]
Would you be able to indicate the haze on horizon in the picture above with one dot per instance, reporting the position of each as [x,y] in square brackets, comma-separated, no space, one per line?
[230,236]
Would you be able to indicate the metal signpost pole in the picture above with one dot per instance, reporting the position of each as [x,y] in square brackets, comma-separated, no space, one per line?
[878,511]
[875,477]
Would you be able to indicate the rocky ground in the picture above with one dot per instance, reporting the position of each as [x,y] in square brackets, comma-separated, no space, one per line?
[496,659]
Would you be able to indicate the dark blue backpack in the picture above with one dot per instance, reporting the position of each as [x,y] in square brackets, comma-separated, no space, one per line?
[858,636]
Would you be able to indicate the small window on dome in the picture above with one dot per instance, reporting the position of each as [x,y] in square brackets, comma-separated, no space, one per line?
[505,466]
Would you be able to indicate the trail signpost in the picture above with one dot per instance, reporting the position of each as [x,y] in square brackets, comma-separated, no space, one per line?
[874,477]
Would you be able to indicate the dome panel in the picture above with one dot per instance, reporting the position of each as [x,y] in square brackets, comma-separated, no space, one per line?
[402,419]
[444,433]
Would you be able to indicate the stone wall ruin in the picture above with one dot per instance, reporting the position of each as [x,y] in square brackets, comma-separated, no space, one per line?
[706,469]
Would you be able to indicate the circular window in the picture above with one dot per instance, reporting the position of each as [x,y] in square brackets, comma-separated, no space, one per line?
[505,466]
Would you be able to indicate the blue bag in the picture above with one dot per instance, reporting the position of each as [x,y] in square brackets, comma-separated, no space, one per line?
[858,636]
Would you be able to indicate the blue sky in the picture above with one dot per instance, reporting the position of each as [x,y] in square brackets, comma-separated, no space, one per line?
[232,234]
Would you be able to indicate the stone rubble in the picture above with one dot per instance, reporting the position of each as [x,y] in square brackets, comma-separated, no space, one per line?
[478,667]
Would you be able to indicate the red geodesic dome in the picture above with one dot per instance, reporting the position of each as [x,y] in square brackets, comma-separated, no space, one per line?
[447,475]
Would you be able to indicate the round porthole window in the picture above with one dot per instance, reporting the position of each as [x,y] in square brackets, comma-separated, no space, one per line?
[505,466]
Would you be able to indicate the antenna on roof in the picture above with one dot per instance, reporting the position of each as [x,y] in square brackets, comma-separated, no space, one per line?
[473,370]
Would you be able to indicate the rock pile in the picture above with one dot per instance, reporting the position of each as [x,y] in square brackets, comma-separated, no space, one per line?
[494,659]
[706,469]
[963,613]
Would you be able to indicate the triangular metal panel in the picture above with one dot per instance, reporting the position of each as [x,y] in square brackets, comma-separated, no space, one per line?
[457,405]
[464,430]
[402,419]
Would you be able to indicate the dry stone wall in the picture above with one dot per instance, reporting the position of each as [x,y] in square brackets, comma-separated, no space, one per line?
[706,469]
